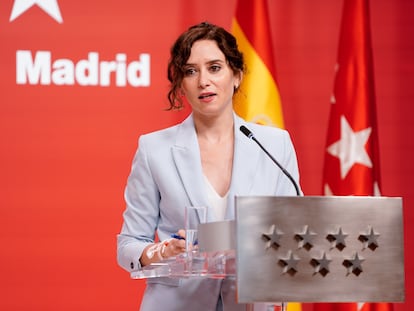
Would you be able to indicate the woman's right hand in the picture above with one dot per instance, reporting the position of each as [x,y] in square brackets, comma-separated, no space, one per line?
[174,246]
[163,250]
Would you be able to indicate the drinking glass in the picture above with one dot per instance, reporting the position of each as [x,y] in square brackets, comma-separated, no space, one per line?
[196,260]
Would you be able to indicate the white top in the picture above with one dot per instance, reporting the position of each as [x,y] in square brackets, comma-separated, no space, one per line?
[217,203]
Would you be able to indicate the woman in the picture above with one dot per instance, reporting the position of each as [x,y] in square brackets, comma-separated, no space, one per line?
[204,161]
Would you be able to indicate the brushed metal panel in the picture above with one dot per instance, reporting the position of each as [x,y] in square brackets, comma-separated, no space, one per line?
[325,249]
[217,236]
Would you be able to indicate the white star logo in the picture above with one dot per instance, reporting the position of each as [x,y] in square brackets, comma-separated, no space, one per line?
[350,149]
[377,191]
[51,7]
[327,190]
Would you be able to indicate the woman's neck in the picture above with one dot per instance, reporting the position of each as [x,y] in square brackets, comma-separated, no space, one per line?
[215,129]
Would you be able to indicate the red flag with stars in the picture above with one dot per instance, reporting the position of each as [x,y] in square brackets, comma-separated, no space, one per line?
[352,153]
[351,158]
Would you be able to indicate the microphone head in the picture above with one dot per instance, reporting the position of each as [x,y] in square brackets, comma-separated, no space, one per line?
[246,131]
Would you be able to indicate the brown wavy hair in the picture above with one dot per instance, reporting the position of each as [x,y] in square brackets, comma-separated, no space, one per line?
[181,49]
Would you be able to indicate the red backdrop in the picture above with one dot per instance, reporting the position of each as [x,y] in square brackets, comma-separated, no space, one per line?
[66,150]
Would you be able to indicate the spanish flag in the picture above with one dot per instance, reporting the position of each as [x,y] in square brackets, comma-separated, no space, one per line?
[258,99]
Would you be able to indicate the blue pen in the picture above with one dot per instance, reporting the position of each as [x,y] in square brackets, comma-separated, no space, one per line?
[178,237]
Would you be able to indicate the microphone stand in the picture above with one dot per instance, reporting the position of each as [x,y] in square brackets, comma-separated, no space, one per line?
[280,306]
[250,135]
[279,165]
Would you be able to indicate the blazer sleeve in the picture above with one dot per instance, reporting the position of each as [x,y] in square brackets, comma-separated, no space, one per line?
[141,214]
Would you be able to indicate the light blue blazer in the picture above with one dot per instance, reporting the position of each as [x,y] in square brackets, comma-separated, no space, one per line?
[167,175]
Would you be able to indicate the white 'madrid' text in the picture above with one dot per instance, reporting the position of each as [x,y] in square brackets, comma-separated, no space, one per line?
[41,69]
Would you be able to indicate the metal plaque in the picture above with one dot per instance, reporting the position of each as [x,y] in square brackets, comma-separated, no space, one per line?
[319,249]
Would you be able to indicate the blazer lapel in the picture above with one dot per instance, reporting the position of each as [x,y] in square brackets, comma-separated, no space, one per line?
[245,162]
[186,155]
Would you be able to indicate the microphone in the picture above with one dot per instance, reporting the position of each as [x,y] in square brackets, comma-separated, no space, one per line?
[250,135]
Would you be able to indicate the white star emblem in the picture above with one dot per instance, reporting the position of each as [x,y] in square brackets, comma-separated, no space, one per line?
[350,149]
[327,190]
[377,191]
[51,7]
